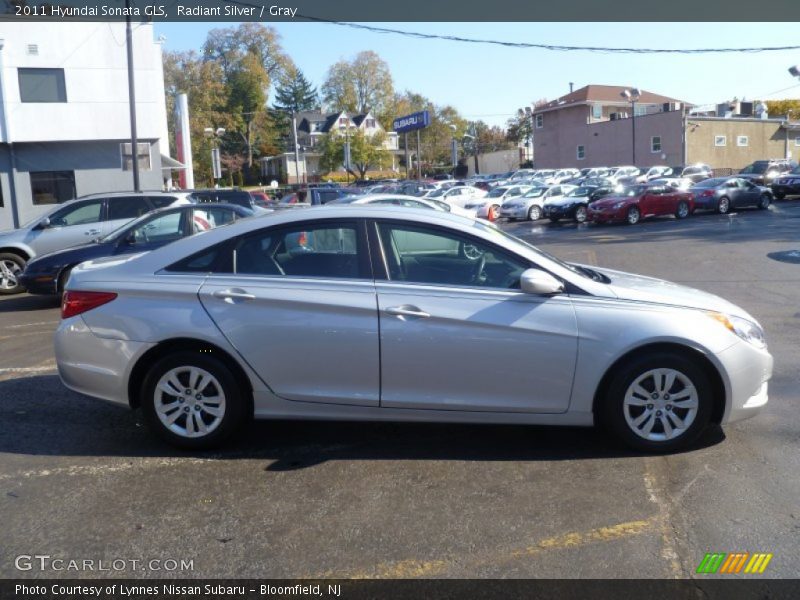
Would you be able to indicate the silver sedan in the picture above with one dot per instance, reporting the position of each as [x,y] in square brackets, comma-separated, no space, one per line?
[378,313]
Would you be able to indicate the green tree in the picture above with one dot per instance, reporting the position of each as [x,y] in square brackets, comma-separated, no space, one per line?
[360,85]
[228,46]
[247,89]
[781,108]
[295,93]
[366,152]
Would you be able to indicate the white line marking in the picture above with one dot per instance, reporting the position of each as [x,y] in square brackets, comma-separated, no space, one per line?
[20,326]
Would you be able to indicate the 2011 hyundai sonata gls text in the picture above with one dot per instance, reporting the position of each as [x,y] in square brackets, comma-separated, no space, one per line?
[378,313]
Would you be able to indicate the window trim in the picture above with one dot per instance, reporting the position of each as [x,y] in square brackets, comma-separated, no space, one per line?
[74,192]
[718,138]
[739,139]
[539,120]
[62,84]
[653,149]
[580,152]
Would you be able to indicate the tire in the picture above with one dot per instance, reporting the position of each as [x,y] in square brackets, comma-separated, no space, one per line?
[11,267]
[779,195]
[156,401]
[553,219]
[534,213]
[724,205]
[764,202]
[683,210]
[581,214]
[633,215]
[623,410]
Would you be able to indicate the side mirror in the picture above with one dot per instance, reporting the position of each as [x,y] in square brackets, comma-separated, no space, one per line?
[540,283]
[44,223]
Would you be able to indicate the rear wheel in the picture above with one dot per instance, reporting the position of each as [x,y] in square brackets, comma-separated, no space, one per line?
[534,213]
[633,216]
[764,201]
[659,402]
[580,214]
[779,195]
[192,400]
[724,205]
[683,210]
[11,267]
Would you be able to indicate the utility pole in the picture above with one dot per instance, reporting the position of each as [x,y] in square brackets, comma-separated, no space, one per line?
[296,149]
[132,100]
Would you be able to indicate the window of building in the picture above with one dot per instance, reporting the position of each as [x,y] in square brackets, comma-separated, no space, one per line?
[655,143]
[370,124]
[539,121]
[742,140]
[597,111]
[639,111]
[581,152]
[142,152]
[42,85]
[720,140]
[343,121]
[52,187]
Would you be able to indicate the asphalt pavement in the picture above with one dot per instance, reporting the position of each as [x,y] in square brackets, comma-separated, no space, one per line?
[83,480]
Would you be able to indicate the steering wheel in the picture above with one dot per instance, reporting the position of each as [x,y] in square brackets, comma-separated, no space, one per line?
[471,251]
[477,271]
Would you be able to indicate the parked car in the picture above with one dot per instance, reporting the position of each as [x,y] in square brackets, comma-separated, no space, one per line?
[319,196]
[636,202]
[488,207]
[562,175]
[618,173]
[73,222]
[568,344]
[574,204]
[48,273]
[532,204]
[407,201]
[458,195]
[787,184]
[679,183]
[724,194]
[697,172]
[654,172]
[227,195]
[764,172]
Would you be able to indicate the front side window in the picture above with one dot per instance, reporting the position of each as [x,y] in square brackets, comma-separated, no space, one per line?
[42,85]
[79,214]
[435,257]
[166,228]
[52,187]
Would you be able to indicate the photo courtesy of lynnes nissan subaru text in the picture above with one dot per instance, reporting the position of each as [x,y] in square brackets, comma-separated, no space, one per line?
[244,321]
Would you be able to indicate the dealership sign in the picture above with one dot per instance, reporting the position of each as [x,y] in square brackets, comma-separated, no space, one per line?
[418,120]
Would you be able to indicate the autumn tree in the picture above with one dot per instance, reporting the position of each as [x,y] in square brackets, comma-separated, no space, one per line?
[782,108]
[366,152]
[359,85]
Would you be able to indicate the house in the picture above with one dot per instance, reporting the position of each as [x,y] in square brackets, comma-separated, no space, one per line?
[595,126]
[312,127]
[64,114]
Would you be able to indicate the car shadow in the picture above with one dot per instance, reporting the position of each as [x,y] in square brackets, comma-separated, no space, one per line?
[39,417]
[28,302]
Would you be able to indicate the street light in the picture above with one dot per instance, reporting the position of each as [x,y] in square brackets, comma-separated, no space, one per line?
[216,166]
[527,114]
[632,95]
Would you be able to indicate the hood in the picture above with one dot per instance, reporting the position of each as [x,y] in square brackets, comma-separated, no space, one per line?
[640,288]
[611,200]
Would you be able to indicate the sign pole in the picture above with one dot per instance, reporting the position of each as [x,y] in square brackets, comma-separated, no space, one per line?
[419,162]
[405,147]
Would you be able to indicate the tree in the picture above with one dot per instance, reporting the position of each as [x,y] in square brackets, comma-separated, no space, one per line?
[781,108]
[360,85]
[247,84]
[229,45]
[295,93]
[366,152]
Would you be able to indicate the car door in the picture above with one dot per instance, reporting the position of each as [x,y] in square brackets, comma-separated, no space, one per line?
[750,194]
[458,334]
[76,223]
[298,304]
[733,192]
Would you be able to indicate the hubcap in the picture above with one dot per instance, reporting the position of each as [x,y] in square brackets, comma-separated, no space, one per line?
[8,274]
[534,213]
[189,401]
[633,217]
[683,210]
[580,215]
[660,405]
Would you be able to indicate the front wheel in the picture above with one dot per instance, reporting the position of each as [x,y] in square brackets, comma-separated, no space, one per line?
[764,201]
[581,214]
[723,206]
[683,210]
[633,216]
[11,267]
[535,213]
[779,195]
[659,402]
[192,400]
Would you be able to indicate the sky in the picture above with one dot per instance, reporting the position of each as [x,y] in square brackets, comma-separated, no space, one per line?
[491,82]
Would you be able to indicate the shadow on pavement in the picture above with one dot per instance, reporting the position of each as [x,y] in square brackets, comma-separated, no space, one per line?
[28,302]
[39,417]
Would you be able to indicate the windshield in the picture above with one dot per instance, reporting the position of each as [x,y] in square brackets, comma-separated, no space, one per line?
[437,193]
[535,192]
[633,190]
[709,183]
[130,225]
[580,191]
[497,192]
[755,168]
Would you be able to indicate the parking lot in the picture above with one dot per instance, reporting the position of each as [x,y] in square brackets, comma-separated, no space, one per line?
[80,479]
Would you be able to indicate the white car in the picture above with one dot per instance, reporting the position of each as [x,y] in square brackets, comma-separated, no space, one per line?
[563,175]
[531,205]
[488,207]
[618,173]
[407,201]
[654,173]
[458,195]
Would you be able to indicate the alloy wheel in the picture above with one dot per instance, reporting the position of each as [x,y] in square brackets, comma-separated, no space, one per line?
[189,401]
[660,404]
[724,205]
[580,214]
[9,271]
[633,215]
[534,213]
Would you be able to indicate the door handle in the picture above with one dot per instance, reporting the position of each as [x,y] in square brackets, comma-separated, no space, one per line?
[233,294]
[407,310]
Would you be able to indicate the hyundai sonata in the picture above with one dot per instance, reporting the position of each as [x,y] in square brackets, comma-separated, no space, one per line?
[371,313]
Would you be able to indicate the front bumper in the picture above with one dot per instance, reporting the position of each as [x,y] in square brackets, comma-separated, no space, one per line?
[95,366]
[40,283]
[748,370]
[513,212]
[605,216]
[787,189]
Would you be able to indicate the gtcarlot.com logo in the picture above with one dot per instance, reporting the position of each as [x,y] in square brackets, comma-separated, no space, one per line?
[45,562]
[734,563]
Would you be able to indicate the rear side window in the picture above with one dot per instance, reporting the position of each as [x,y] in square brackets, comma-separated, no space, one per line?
[127,207]
[161,201]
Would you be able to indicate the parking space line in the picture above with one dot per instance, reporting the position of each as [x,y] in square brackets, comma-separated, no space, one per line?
[77,470]
[651,484]
[22,325]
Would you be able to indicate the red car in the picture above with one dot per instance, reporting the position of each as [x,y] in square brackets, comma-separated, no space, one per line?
[636,202]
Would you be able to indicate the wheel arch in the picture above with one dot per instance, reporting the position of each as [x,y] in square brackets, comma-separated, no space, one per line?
[701,359]
[20,251]
[164,348]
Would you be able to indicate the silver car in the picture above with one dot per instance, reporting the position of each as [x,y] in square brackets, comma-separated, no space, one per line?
[72,223]
[376,313]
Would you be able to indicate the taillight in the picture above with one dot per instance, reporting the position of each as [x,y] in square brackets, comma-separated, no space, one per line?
[75,303]
[707,193]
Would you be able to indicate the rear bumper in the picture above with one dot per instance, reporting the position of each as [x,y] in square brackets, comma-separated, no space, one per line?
[513,213]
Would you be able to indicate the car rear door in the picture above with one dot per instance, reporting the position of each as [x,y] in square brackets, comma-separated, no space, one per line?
[298,304]
[458,334]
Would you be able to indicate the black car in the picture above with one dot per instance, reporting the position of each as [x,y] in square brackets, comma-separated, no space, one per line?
[47,274]
[763,172]
[724,194]
[787,184]
[229,196]
[573,205]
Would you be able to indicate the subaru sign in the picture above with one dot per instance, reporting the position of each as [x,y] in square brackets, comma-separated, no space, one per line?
[418,120]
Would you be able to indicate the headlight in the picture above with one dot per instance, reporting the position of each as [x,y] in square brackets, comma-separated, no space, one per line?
[747,330]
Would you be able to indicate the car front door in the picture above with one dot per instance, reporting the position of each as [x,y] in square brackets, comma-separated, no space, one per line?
[734,193]
[750,193]
[77,223]
[299,306]
[458,334]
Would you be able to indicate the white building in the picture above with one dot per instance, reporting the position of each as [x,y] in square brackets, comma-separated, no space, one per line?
[64,114]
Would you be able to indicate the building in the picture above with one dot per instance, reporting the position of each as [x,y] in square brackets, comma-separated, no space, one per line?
[64,114]
[499,161]
[312,127]
[594,126]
